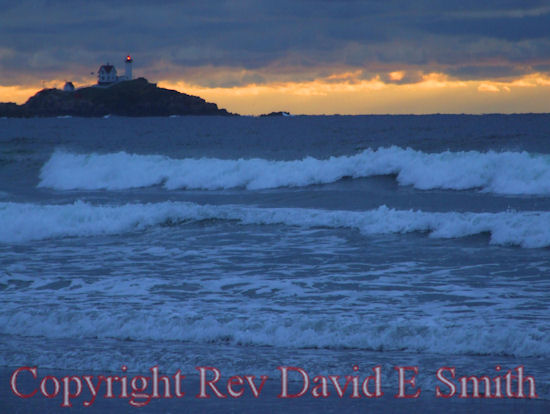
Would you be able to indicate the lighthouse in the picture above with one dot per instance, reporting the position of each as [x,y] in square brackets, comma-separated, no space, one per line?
[128,64]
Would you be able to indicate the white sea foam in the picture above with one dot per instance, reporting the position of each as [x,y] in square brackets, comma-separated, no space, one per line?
[181,323]
[25,221]
[497,172]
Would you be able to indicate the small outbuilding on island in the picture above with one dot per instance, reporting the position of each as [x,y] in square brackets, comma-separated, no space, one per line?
[69,87]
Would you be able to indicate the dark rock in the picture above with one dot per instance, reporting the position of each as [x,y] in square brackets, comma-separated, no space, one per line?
[280,113]
[136,98]
[10,110]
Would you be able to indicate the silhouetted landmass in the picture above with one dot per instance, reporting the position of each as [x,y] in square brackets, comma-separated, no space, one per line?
[135,98]
[280,113]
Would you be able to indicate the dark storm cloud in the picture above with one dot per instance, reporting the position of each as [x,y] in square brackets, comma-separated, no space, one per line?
[464,38]
[507,28]
[486,71]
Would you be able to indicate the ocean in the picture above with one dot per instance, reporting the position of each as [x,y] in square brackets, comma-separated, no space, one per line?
[248,244]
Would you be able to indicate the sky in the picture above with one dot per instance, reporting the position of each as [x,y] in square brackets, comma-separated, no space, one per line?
[302,56]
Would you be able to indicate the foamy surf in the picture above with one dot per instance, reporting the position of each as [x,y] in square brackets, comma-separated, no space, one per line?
[513,173]
[21,222]
[177,322]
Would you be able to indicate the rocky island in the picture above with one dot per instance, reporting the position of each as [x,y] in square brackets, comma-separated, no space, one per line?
[279,113]
[135,98]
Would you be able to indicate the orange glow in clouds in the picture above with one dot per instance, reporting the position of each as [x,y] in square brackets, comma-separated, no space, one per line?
[396,76]
[17,94]
[346,92]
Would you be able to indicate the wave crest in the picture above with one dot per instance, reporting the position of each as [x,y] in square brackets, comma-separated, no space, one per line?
[26,221]
[496,172]
[294,331]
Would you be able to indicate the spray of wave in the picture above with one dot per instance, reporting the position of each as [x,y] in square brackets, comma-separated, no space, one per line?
[496,172]
[26,221]
[259,328]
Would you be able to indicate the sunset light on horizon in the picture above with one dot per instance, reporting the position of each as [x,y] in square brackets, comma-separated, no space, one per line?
[342,58]
[345,93]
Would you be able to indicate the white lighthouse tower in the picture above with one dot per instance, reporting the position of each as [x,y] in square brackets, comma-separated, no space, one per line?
[128,64]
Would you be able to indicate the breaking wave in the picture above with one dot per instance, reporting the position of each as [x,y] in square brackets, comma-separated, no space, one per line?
[26,221]
[181,323]
[496,172]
